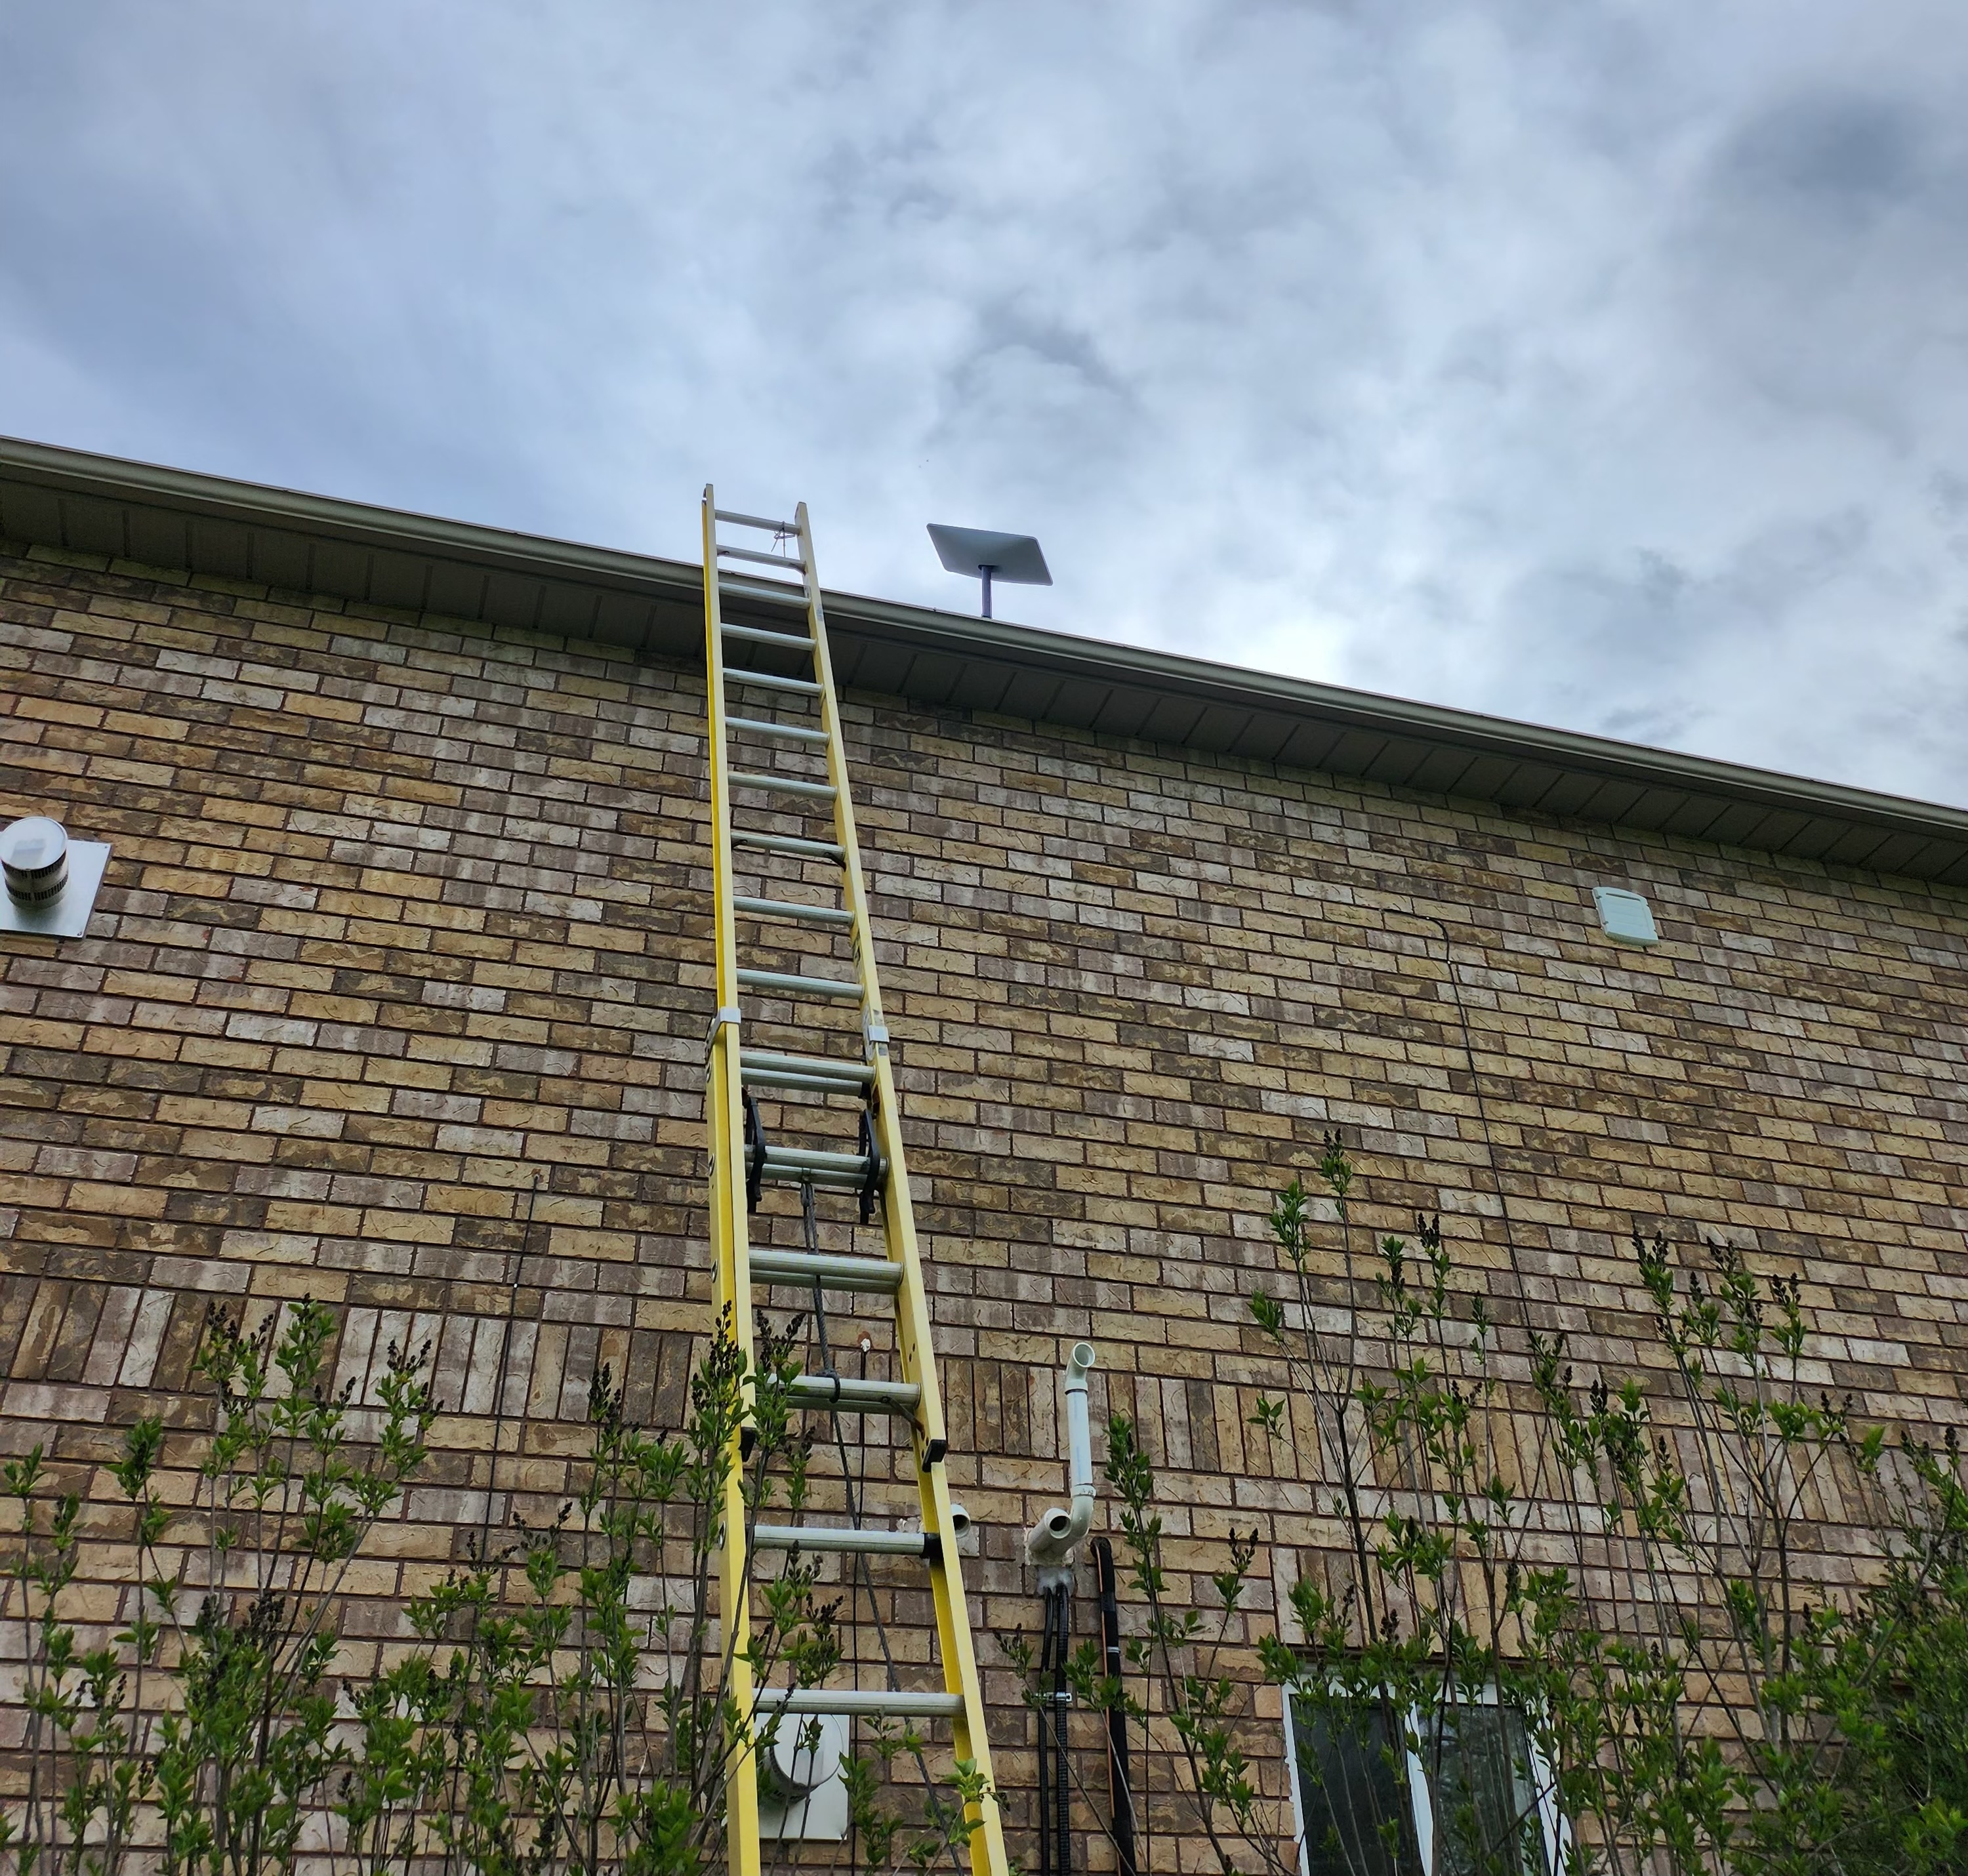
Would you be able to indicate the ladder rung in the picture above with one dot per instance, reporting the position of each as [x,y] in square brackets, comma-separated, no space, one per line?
[758,726]
[769,559]
[789,843]
[859,1276]
[801,1160]
[758,635]
[799,914]
[855,1397]
[841,1538]
[850,1182]
[753,521]
[837,987]
[804,1083]
[783,785]
[768,681]
[814,1075]
[838,1172]
[821,1067]
[863,1703]
[750,588]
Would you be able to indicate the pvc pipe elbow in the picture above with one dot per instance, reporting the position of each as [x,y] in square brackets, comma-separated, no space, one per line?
[1052,1541]
[1079,1364]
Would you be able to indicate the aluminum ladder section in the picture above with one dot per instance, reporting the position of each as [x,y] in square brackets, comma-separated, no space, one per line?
[799,712]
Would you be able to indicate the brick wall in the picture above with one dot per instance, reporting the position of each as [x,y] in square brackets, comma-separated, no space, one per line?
[396,992]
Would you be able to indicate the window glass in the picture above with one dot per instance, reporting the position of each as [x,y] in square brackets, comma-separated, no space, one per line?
[1485,1795]
[1357,1816]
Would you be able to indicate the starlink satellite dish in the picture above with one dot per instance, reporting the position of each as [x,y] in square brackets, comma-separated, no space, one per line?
[979,553]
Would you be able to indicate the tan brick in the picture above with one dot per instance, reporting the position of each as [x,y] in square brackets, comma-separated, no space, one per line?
[1130,990]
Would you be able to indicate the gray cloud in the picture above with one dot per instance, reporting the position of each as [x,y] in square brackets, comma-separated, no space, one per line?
[1593,363]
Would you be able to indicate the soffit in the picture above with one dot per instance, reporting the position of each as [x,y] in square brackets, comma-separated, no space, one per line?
[154,517]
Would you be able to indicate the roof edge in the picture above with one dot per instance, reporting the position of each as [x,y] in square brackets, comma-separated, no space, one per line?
[191,492]
[1375,710]
[976,660]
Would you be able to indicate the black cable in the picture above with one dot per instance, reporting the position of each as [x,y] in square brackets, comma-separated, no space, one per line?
[811,1225]
[500,1381]
[1045,1740]
[505,1367]
[1062,1801]
[1483,1123]
[1120,1792]
[1055,1786]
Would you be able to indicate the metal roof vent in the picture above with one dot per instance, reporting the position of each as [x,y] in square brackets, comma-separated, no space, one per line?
[51,880]
[1625,916]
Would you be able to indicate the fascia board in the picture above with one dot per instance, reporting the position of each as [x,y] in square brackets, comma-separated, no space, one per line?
[1000,652]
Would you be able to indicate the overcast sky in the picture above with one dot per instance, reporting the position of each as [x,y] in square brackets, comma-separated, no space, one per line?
[1597,364]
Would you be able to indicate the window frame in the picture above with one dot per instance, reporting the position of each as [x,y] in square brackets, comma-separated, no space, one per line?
[1421,1800]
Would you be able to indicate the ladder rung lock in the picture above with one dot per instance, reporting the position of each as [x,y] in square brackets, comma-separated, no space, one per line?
[758,635]
[858,1397]
[837,989]
[800,914]
[768,560]
[858,1277]
[754,521]
[792,733]
[862,1703]
[783,785]
[770,681]
[842,1540]
[788,843]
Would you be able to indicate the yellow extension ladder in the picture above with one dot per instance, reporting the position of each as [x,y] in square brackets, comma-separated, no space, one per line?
[791,714]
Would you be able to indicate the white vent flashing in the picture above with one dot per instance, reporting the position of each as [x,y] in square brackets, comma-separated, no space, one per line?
[801,1795]
[1625,916]
[51,879]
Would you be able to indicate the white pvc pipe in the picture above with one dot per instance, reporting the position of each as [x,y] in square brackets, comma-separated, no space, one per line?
[1051,1543]
[1079,1445]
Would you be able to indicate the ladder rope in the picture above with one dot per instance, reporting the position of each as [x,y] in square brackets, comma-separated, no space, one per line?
[809,1220]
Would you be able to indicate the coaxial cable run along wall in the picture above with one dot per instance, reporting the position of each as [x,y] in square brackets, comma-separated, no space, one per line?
[1052,1546]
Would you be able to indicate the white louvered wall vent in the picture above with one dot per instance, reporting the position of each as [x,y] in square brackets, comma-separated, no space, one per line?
[1625,916]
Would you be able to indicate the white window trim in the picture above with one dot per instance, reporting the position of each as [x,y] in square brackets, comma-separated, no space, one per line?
[1421,1800]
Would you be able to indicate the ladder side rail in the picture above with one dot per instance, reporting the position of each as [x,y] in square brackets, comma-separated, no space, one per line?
[915,1346]
[913,1335]
[916,1351]
[730,1231]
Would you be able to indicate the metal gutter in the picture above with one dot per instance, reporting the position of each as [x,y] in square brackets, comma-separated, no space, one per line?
[145,516]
